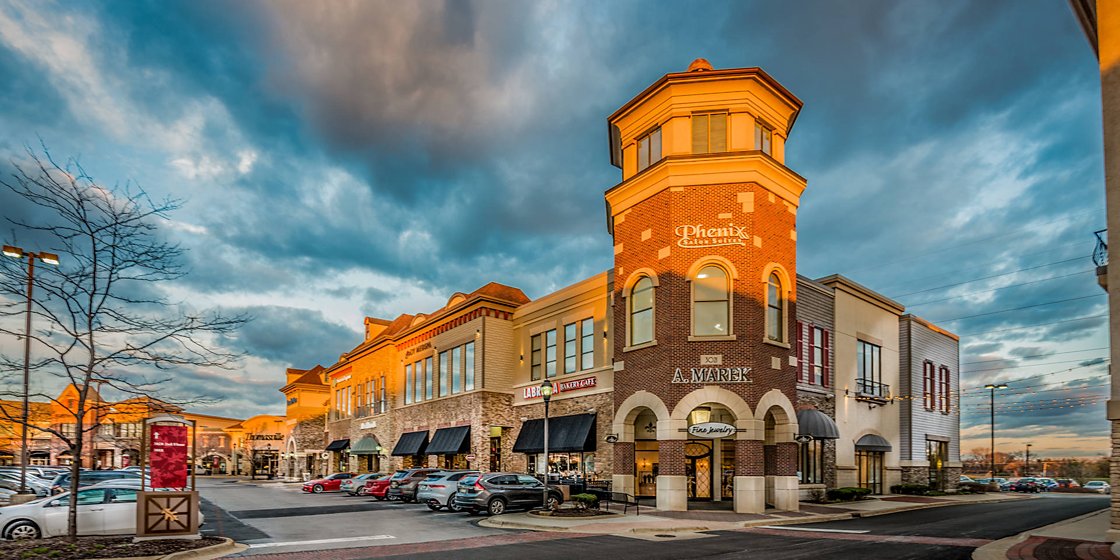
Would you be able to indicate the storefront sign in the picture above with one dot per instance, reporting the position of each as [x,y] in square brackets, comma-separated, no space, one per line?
[169,456]
[367,425]
[711,430]
[699,235]
[408,353]
[534,391]
[713,375]
[266,437]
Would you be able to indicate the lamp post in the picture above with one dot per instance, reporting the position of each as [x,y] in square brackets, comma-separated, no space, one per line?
[992,404]
[546,394]
[48,258]
[1027,462]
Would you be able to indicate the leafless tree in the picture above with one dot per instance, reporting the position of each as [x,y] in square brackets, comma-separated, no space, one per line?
[101,316]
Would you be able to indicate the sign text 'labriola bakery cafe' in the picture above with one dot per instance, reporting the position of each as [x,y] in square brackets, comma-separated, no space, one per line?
[534,391]
[699,235]
[713,375]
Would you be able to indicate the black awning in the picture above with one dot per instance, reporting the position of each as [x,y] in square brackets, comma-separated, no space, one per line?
[411,443]
[812,422]
[872,442]
[565,433]
[338,445]
[450,441]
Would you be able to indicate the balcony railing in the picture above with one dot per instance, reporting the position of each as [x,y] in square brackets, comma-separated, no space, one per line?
[1100,258]
[872,390]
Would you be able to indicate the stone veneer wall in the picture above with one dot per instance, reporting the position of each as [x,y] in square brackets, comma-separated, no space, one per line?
[602,404]
[826,404]
[480,409]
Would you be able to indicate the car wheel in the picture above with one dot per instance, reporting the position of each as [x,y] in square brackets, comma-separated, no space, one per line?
[22,530]
[452,506]
[497,506]
[552,502]
[380,498]
[434,505]
[318,489]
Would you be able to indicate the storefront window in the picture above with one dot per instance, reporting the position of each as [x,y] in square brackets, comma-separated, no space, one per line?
[811,462]
[938,453]
[646,457]
[869,470]
[565,466]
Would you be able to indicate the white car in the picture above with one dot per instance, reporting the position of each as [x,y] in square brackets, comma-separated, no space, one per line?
[357,486]
[105,510]
[1098,486]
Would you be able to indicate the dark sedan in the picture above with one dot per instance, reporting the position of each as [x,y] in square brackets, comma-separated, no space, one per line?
[1028,484]
[497,492]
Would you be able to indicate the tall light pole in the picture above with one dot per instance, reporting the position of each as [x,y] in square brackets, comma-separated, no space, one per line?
[1027,463]
[546,394]
[992,403]
[48,258]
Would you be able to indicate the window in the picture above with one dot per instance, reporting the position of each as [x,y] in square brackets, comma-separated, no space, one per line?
[418,372]
[550,353]
[811,462]
[709,133]
[384,401]
[123,495]
[943,381]
[775,309]
[649,149]
[813,354]
[468,365]
[641,312]
[763,136]
[869,362]
[938,454]
[429,373]
[456,373]
[869,470]
[587,344]
[407,383]
[570,348]
[535,358]
[443,365]
[91,497]
[129,430]
[711,302]
[929,390]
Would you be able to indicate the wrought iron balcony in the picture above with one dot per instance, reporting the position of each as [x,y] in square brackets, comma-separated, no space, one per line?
[1100,258]
[867,389]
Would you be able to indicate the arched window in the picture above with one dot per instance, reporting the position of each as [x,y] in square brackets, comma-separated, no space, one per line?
[641,311]
[711,302]
[775,309]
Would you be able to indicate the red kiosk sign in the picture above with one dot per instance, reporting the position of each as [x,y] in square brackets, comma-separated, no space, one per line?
[168,457]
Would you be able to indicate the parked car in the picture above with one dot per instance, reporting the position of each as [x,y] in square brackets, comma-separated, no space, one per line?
[378,487]
[1098,486]
[966,478]
[35,484]
[356,486]
[1067,483]
[438,490]
[104,510]
[497,492]
[1047,484]
[1027,484]
[403,487]
[329,483]
[61,483]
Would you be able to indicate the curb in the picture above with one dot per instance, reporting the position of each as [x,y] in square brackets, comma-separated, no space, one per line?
[997,550]
[214,551]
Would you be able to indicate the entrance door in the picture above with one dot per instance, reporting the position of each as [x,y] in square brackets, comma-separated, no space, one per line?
[698,469]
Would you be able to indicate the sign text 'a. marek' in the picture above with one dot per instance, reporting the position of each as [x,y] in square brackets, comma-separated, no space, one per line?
[713,375]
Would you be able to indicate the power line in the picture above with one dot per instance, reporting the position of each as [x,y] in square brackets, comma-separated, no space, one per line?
[957,273]
[1016,308]
[1057,372]
[1036,325]
[1037,355]
[989,277]
[1036,365]
[1034,389]
[959,296]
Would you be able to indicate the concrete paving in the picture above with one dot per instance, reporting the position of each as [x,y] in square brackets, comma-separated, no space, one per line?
[1082,537]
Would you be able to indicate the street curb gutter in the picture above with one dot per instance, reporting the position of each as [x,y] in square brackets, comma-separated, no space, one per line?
[215,551]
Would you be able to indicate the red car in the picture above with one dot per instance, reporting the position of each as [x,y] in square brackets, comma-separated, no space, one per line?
[378,487]
[331,483]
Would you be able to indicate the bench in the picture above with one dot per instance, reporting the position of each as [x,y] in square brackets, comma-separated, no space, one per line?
[619,498]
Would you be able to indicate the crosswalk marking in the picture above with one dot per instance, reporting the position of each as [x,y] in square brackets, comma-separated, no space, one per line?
[812,529]
[322,541]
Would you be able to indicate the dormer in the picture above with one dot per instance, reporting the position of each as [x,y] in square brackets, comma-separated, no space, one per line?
[374,327]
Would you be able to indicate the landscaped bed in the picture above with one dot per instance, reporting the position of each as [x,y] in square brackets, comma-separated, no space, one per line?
[97,547]
[571,512]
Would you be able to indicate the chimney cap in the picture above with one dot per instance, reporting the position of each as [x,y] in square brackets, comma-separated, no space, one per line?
[700,65]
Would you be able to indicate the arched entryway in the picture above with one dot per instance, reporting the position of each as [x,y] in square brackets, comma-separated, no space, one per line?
[779,448]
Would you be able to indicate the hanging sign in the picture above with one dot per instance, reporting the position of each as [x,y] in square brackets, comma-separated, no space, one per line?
[169,456]
[711,430]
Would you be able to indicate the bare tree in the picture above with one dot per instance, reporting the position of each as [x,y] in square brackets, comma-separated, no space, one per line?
[101,317]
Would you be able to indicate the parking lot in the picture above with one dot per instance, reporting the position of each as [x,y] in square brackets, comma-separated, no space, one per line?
[273,516]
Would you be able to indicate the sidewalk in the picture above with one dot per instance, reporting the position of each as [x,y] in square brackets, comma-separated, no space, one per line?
[1074,539]
[651,521]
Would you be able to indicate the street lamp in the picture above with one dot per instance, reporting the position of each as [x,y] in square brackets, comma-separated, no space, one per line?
[48,258]
[992,404]
[546,394]
[1027,462]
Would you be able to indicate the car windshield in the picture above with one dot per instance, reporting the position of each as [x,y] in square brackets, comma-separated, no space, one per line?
[469,479]
[435,476]
[400,474]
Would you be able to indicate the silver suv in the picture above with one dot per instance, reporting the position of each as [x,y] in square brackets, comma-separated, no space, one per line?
[497,492]
[438,490]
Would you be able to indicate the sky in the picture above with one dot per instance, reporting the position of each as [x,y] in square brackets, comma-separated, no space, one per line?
[348,159]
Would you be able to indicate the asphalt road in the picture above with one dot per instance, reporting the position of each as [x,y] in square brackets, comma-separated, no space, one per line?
[280,522]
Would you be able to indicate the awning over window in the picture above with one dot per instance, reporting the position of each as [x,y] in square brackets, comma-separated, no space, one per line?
[812,422]
[411,443]
[872,442]
[450,441]
[565,434]
[368,445]
[338,445]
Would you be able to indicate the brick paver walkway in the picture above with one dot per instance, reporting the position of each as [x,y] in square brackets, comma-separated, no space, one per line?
[414,548]
[1050,548]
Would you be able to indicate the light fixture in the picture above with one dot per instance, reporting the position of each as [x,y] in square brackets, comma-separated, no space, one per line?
[49,258]
[546,390]
[612,438]
[701,414]
[14,252]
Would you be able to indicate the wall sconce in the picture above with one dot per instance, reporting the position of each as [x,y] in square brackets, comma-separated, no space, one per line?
[612,438]
[701,414]
[521,357]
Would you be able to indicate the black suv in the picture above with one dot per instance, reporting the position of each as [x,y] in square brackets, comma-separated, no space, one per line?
[402,485]
[496,492]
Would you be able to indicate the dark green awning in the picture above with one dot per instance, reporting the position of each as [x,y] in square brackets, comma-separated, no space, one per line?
[565,434]
[450,441]
[411,443]
[368,445]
